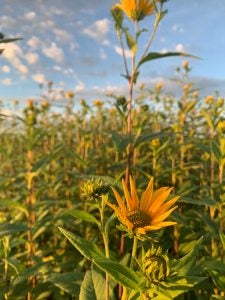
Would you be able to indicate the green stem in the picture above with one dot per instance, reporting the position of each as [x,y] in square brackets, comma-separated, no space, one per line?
[134,252]
[106,242]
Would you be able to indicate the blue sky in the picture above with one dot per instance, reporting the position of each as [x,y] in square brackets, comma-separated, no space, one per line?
[73,44]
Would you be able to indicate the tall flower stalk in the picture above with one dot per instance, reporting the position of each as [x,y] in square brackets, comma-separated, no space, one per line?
[136,11]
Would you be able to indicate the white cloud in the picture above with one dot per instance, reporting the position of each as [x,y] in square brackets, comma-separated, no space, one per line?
[180,48]
[98,30]
[7,81]
[34,42]
[40,78]
[30,16]
[22,69]
[14,54]
[177,28]
[32,58]
[5,69]
[62,35]
[102,54]
[54,52]
[118,50]
[80,87]
[57,68]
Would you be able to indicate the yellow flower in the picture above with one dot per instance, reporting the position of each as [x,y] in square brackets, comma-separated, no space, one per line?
[136,10]
[147,214]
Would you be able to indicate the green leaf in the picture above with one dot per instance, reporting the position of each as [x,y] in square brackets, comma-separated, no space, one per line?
[87,291]
[176,286]
[157,55]
[86,248]
[83,215]
[4,41]
[120,143]
[131,43]
[204,201]
[183,265]
[68,282]
[216,150]
[121,274]
[189,106]
[117,15]
[9,229]
[99,284]
[208,118]
[150,136]
[222,239]
[14,204]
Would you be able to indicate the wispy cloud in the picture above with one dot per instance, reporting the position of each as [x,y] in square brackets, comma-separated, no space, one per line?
[118,50]
[6,81]
[32,58]
[98,30]
[30,16]
[39,78]
[5,69]
[80,87]
[54,52]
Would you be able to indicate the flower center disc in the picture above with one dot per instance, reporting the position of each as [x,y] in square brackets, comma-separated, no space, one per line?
[138,218]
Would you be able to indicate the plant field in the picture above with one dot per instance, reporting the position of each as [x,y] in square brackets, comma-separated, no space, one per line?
[46,159]
[116,199]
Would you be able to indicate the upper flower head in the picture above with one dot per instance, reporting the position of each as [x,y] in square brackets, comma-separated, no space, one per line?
[136,10]
[147,214]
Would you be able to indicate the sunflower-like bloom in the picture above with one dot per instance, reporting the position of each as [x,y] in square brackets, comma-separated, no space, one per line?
[136,10]
[147,214]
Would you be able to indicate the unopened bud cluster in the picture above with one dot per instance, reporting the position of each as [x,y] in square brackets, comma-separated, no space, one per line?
[155,265]
[95,188]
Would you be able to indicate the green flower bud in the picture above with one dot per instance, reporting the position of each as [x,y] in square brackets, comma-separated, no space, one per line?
[145,107]
[117,15]
[95,188]
[155,265]
[121,101]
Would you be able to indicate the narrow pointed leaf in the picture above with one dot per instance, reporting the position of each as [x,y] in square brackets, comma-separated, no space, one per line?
[157,55]
[183,265]
[83,215]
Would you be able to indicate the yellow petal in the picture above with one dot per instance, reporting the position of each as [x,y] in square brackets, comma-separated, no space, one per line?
[165,224]
[147,197]
[118,212]
[119,200]
[121,215]
[165,206]
[134,197]
[127,196]
[159,199]
[162,217]
[150,227]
